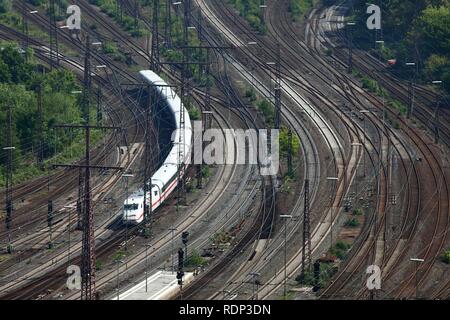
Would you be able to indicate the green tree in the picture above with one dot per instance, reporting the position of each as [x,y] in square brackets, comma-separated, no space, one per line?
[5,6]
[284,142]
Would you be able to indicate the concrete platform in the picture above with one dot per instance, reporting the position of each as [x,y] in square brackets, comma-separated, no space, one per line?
[161,286]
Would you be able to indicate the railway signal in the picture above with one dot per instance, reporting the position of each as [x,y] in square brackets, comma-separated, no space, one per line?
[180,273]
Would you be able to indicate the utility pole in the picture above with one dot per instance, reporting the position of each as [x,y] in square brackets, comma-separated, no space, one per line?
[154,56]
[99,109]
[306,251]
[9,149]
[53,32]
[80,199]
[168,25]
[262,7]
[350,46]
[88,240]
[436,112]
[148,163]
[200,25]
[185,240]
[50,215]
[184,101]
[40,146]
[285,217]
[136,15]
[289,155]
[411,85]
[205,118]
[25,29]
[120,7]
[278,89]
[172,230]
[416,262]
[87,85]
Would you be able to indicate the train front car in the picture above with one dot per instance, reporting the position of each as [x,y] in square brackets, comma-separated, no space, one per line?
[133,208]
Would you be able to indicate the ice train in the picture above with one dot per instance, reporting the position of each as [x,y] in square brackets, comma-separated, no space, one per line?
[165,179]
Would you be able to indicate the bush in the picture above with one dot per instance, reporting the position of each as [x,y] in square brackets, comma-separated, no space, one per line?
[446,257]
[206,172]
[284,142]
[268,111]
[352,223]
[110,47]
[250,94]
[194,113]
[340,250]
[195,260]
[98,265]
[5,6]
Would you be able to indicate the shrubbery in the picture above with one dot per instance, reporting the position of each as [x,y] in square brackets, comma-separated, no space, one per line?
[19,83]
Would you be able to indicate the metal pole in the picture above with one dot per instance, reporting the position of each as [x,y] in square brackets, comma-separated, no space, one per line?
[68,237]
[118,277]
[416,280]
[364,151]
[285,258]
[126,222]
[146,268]
[172,250]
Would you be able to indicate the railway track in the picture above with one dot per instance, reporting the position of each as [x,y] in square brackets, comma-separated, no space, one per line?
[230,36]
[441,224]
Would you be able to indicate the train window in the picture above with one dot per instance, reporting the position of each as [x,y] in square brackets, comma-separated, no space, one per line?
[133,206]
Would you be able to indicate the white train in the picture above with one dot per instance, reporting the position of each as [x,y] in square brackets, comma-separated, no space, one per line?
[165,179]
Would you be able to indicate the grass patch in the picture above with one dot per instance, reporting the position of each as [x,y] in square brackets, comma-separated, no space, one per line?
[299,8]
[251,11]
[221,238]
[340,250]
[267,110]
[327,270]
[195,260]
[119,255]
[446,257]
[352,223]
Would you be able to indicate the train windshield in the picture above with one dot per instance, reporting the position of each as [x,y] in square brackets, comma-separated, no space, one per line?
[132,206]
